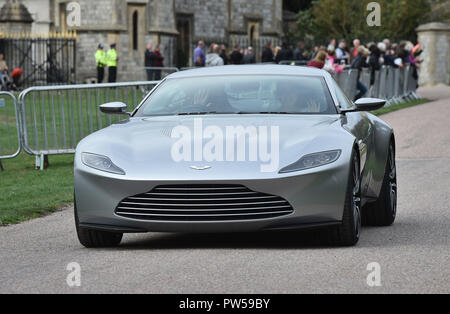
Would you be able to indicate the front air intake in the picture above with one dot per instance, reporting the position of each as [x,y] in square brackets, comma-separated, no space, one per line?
[203,202]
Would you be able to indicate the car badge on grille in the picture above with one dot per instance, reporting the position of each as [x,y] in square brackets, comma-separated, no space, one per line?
[200,167]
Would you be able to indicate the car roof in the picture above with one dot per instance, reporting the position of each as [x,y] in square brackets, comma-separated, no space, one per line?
[258,69]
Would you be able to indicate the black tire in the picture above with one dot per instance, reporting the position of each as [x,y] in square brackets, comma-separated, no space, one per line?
[349,231]
[384,210]
[95,238]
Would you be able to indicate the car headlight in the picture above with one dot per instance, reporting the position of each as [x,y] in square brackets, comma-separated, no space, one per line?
[101,163]
[312,161]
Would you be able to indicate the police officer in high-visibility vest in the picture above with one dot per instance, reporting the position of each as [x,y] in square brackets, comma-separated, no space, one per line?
[100,60]
[111,62]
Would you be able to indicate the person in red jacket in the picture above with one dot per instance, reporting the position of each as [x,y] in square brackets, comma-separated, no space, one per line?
[159,59]
[319,60]
[16,75]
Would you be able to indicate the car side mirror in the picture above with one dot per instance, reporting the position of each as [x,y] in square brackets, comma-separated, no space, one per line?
[114,108]
[369,104]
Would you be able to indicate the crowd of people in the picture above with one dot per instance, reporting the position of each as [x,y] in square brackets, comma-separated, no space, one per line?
[371,56]
[9,81]
[218,55]
[333,58]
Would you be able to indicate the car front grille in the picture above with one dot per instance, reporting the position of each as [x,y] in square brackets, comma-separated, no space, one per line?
[202,203]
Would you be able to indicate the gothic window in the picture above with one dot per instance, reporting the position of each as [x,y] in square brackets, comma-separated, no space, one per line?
[135,31]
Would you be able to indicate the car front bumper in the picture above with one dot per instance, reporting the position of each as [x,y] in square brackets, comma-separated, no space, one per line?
[316,195]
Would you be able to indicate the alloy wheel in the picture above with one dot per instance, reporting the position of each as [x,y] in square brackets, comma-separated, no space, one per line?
[392,181]
[356,198]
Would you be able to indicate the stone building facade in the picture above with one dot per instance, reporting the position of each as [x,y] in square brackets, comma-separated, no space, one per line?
[174,24]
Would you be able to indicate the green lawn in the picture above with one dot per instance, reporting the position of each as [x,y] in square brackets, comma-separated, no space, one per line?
[392,108]
[26,193]
[8,129]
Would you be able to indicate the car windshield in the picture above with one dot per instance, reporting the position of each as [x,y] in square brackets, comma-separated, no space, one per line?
[240,94]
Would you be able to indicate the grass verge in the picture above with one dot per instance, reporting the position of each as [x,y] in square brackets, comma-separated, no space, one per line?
[26,193]
[404,105]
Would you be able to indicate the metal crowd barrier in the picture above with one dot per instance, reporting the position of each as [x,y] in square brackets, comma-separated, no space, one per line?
[394,84]
[53,119]
[347,80]
[9,127]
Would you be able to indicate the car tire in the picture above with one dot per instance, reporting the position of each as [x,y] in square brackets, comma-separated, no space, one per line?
[90,238]
[383,211]
[349,231]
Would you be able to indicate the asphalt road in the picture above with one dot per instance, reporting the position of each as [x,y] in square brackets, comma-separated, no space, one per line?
[413,254]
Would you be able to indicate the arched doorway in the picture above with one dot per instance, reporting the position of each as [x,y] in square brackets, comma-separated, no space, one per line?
[253,37]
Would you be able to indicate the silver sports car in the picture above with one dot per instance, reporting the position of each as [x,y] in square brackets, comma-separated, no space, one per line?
[238,149]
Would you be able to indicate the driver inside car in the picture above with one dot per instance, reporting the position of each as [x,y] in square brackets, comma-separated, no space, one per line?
[212,99]
[295,100]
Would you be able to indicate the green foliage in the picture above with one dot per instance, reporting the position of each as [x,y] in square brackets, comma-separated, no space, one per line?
[305,25]
[348,19]
[440,11]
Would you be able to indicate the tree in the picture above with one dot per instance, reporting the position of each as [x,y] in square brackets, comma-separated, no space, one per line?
[348,19]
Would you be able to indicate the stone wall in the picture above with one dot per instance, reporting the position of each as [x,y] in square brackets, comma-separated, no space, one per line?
[265,11]
[435,38]
[210,17]
[217,19]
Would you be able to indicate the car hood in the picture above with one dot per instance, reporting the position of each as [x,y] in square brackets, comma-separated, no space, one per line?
[143,147]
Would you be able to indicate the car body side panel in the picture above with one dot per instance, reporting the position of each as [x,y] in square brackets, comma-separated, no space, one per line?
[360,126]
[372,136]
[378,155]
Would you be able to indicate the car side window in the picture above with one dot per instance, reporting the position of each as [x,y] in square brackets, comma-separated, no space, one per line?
[343,100]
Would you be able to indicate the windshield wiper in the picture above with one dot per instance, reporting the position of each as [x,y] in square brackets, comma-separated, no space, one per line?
[239,112]
[202,113]
[265,112]
[195,113]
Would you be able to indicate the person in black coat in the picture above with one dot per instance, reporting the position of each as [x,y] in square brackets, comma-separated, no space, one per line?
[285,54]
[299,53]
[267,54]
[249,57]
[223,54]
[236,56]
[374,62]
[359,63]
[149,61]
